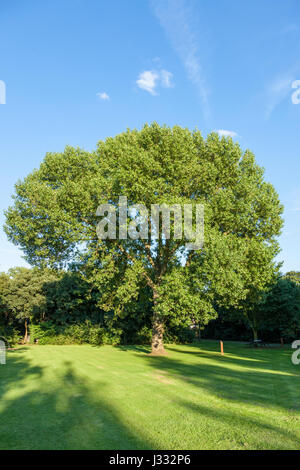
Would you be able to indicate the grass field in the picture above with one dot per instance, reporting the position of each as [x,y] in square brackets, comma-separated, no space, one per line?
[81,397]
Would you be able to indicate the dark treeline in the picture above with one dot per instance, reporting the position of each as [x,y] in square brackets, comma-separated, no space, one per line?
[276,316]
[51,307]
[62,307]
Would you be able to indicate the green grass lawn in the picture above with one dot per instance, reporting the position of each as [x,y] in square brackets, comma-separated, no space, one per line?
[82,397]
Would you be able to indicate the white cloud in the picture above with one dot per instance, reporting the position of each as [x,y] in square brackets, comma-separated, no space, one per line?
[166,78]
[103,96]
[149,80]
[176,20]
[224,133]
[296,94]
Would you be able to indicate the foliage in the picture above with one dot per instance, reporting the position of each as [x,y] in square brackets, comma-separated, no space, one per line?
[276,314]
[229,325]
[10,334]
[65,311]
[88,333]
[53,220]
[51,333]
[281,308]
[293,276]
[70,298]
[24,294]
[6,316]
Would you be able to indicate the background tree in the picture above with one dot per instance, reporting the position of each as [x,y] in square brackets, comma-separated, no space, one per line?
[293,276]
[53,219]
[70,298]
[281,309]
[4,290]
[6,315]
[261,274]
[272,313]
[26,298]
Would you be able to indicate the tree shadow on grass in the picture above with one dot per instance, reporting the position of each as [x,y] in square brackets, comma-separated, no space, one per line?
[138,348]
[262,436]
[242,380]
[76,412]
[246,357]
[65,414]
[16,370]
[237,385]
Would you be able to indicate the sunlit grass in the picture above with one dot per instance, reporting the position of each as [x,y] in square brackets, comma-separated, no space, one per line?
[80,397]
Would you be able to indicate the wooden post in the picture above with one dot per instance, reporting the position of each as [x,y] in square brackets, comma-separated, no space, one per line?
[281,340]
[222,349]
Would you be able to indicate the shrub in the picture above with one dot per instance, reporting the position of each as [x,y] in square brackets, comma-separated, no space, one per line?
[87,332]
[112,336]
[11,335]
[144,335]
[179,335]
[77,333]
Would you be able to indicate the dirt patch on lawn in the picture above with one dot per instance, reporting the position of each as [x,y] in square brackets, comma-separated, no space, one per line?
[163,377]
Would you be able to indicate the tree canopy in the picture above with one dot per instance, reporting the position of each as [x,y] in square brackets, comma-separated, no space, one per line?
[53,220]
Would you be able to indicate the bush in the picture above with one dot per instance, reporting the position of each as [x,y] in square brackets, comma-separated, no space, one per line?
[143,336]
[49,333]
[89,333]
[179,335]
[112,336]
[11,335]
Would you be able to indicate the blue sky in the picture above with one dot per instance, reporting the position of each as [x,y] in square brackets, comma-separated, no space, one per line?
[77,71]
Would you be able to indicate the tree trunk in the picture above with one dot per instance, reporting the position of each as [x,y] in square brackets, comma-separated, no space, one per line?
[26,332]
[255,336]
[157,346]
[252,322]
[199,333]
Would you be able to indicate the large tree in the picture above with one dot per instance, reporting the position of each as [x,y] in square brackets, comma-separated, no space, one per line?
[53,219]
